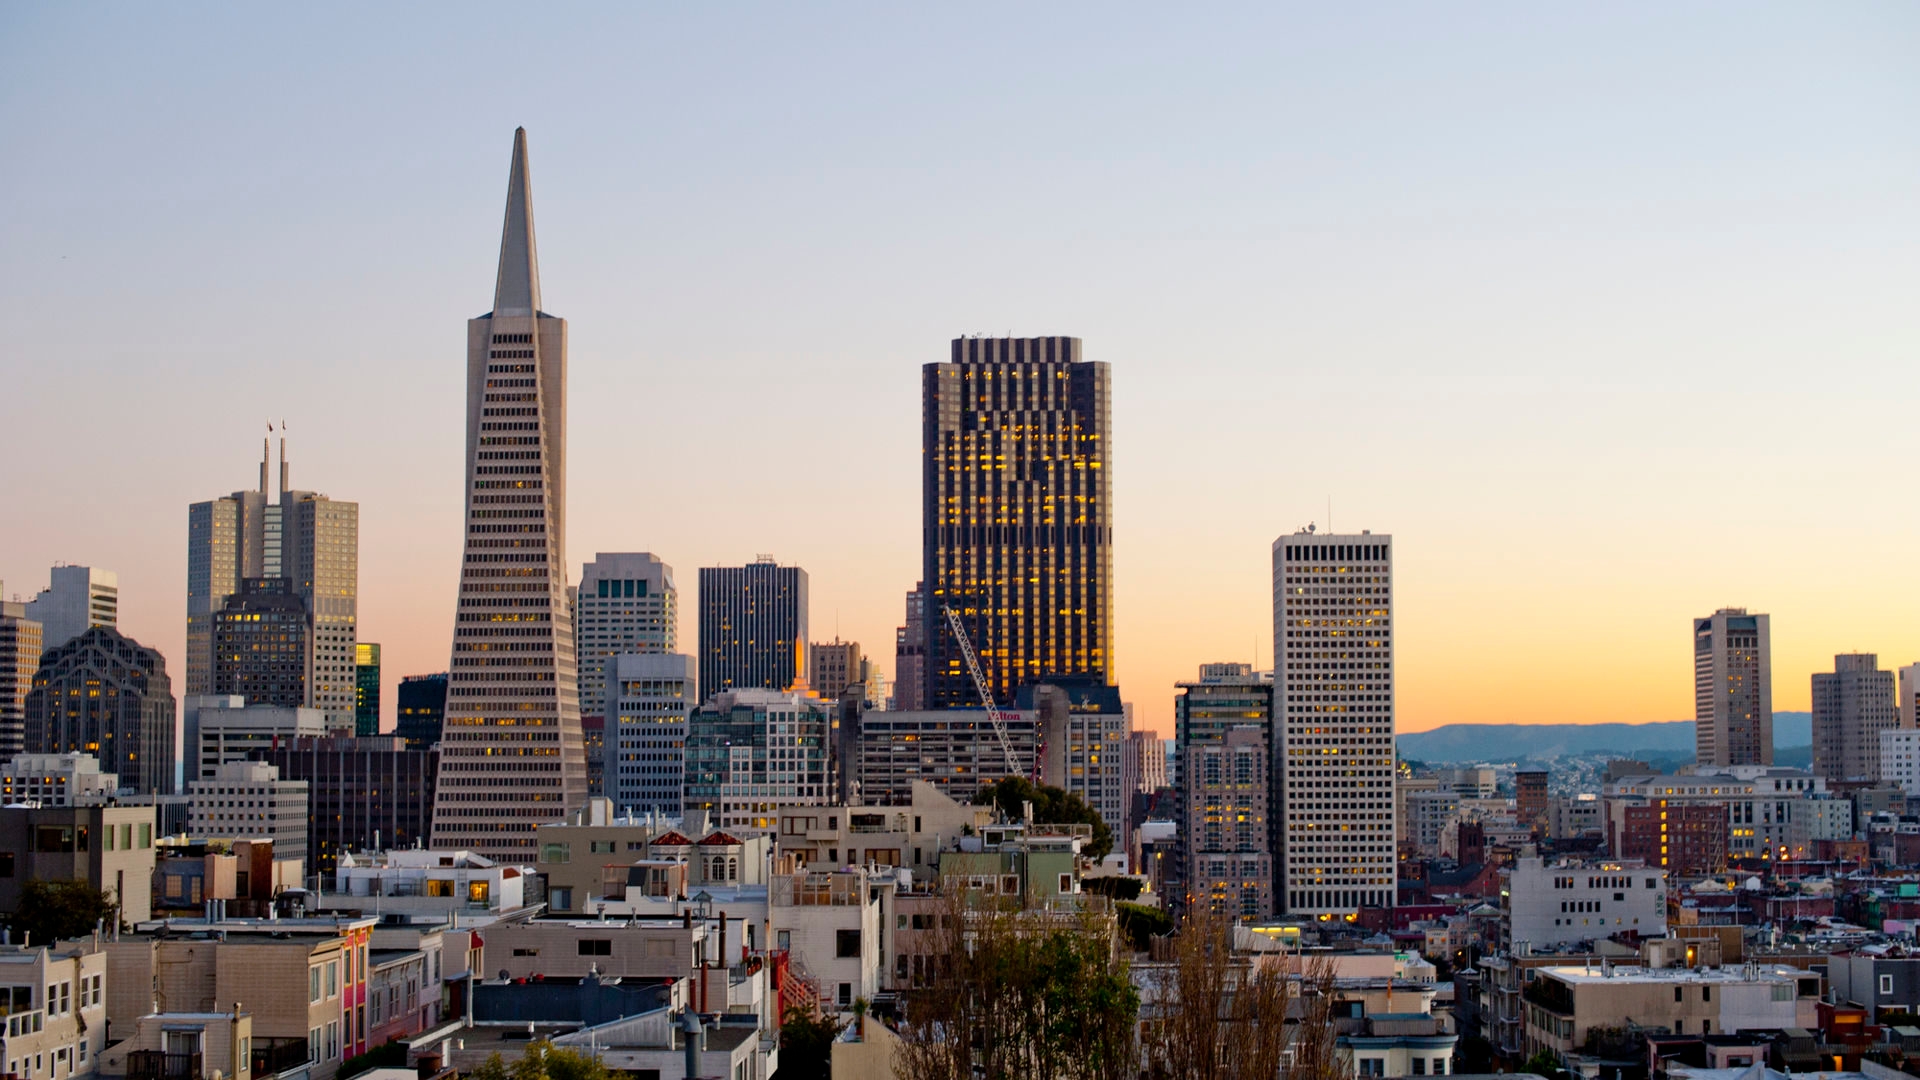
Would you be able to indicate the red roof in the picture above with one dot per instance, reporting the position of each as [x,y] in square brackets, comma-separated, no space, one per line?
[720,839]
[671,838]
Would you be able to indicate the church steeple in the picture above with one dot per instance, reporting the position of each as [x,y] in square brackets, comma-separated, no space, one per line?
[517,290]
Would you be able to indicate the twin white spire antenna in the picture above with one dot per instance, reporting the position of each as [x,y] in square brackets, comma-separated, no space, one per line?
[265,456]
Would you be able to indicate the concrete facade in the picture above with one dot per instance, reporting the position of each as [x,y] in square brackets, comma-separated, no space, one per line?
[248,800]
[647,731]
[1852,705]
[56,780]
[109,847]
[53,1008]
[1732,689]
[512,752]
[78,599]
[1334,691]
[1547,905]
[626,604]
[21,642]
[1223,724]
[104,693]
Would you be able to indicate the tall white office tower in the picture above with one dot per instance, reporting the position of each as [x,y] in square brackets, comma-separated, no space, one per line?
[626,603]
[79,597]
[303,536]
[512,756]
[1333,676]
[1732,689]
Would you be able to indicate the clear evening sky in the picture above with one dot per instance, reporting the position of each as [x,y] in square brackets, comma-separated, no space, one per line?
[1607,312]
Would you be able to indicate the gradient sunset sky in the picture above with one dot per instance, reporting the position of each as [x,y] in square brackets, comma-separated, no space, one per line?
[1608,313]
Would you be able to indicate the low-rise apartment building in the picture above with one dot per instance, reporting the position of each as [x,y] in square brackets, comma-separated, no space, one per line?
[53,1005]
[109,847]
[1564,1004]
[422,882]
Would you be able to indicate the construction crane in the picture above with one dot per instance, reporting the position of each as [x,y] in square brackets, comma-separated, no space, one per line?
[998,718]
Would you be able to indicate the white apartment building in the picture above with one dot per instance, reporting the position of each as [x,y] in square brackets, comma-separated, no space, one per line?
[53,1004]
[1900,757]
[79,597]
[1333,660]
[1576,815]
[56,780]
[1558,904]
[646,737]
[1761,801]
[249,801]
[626,603]
[1828,817]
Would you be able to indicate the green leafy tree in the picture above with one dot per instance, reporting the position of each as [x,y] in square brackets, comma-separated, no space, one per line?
[545,1061]
[52,909]
[1051,806]
[1117,888]
[1542,1063]
[806,1045]
[494,1068]
[1141,924]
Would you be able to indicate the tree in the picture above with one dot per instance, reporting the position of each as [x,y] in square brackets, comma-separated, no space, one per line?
[494,1068]
[545,1061]
[54,909]
[806,1045]
[1020,993]
[1215,1015]
[1542,1063]
[1051,806]
[1141,924]
[1316,1042]
[1117,888]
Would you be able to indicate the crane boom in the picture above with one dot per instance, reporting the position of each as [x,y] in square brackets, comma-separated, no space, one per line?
[994,715]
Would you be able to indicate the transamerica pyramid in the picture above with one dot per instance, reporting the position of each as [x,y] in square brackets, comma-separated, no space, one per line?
[512,756]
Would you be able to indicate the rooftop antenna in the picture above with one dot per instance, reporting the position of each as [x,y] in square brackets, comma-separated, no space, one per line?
[266,456]
[283,457]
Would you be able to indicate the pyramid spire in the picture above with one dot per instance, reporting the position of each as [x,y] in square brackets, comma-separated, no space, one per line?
[517,290]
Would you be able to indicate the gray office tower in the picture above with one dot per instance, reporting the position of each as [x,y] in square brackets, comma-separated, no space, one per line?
[1017,515]
[306,538]
[512,755]
[753,627]
[1732,689]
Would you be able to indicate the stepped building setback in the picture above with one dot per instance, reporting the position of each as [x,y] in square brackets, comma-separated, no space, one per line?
[512,754]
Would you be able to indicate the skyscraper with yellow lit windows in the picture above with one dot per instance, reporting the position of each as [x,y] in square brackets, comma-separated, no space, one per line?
[1017,516]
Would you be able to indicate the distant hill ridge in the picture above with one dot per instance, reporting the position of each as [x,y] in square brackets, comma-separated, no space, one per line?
[1511,742]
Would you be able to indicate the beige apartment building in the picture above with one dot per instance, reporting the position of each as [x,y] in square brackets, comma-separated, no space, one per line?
[303,982]
[109,847]
[52,1001]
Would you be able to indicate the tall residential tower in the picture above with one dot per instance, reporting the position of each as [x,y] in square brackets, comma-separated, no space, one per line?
[1017,515]
[1732,689]
[511,752]
[1333,659]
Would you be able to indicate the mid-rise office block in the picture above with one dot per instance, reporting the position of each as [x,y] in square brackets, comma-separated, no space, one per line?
[230,731]
[751,752]
[1909,696]
[366,688]
[56,780]
[79,598]
[309,540]
[105,694]
[1688,839]
[753,627]
[247,800]
[1149,750]
[1900,760]
[364,794]
[1852,705]
[108,847]
[1333,650]
[834,666]
[264,645]
[626,603]
[910,654]
[1547,905]
[21,642]
[647,731]
[1426,816]
[421,708]
[1086,729]
[512,753]
[1017,515]
[955,750]
[1732,689]
[1224,725]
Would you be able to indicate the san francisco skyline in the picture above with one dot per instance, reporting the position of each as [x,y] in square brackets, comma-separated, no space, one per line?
[1603,355]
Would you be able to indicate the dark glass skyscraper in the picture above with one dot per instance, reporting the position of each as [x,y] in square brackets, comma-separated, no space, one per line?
[753,627]
[1017,519]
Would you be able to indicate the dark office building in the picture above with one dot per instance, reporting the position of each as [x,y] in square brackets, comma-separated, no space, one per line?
[105,694]
[364,794]
[1017,515]
[422,706]
[366,688]
[263,644]
[753,627]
